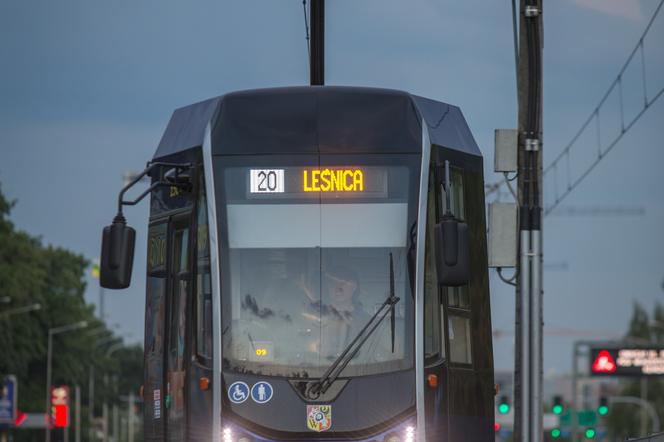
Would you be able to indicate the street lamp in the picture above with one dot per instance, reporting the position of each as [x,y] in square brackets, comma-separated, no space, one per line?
[49,354]
[17,310]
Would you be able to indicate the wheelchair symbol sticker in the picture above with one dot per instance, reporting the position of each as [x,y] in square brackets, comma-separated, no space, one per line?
[261,392]
[238,392]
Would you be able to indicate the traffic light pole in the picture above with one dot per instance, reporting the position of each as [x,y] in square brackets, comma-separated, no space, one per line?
[528,353]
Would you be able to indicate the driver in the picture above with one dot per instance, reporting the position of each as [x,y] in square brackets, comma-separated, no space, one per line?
[342,314]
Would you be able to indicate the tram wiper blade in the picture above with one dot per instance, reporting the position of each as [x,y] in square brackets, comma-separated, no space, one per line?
[332,373]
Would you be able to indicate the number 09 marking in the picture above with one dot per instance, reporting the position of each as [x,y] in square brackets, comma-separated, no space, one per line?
[266,181]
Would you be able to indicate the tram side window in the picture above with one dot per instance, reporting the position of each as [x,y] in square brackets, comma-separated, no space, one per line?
[458,298]
[179,305]
[433,322]
[156,289]
[203,282]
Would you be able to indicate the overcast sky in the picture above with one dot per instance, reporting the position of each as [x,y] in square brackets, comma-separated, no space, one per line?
[86,90]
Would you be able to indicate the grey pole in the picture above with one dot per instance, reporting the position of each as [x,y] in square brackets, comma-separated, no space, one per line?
[524,295]
[77,419]
[536,356]
[104,412]
[91,402]
[101,302]
[130,418]
[49,352]
[645,405]
[66,429]
[574,399]
[18,310]
[116,423]
[644,412]
[49,357]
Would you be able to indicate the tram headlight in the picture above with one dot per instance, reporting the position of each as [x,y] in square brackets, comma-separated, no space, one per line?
[228,435]
[407,435]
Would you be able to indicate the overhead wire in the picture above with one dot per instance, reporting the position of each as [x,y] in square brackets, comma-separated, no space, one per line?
[563,158]
[306,28]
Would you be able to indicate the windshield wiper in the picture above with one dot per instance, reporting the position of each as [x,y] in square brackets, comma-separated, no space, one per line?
[332,373]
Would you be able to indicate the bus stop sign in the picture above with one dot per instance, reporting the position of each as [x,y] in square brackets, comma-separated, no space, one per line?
[8,400]
[627,361]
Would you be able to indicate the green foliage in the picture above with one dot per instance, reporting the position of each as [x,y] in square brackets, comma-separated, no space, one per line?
[623,420]
[53,277]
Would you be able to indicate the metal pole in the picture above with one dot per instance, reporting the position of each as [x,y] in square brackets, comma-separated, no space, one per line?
[130,418]
[644,413]
[104,411]
[101,302]
[317,60]
[91,403]
[66,429]
[536,335]
[575,407]
[49,353]
[524,295]
[645,406]
[116,422]
[77,421]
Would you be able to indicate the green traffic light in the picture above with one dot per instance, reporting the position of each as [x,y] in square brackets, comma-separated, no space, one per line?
[503,408]
[590,433]
[555,433]
[603,410]
[557,409]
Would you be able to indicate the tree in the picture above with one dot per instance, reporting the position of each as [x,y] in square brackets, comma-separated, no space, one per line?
[53,277]
[625,420]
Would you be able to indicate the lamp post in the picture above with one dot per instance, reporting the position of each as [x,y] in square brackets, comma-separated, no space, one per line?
[18,310]
[49,354]
[91,385]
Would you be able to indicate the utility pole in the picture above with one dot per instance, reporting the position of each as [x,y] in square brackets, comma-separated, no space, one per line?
[317,59]
[528,354]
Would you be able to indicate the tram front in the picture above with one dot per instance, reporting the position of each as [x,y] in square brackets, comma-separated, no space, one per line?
[309,314]
[317,251]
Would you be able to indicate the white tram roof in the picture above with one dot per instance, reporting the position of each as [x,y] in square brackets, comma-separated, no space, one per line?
[317,119]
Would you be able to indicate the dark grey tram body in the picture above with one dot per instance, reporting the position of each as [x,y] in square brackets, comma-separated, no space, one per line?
[292,191]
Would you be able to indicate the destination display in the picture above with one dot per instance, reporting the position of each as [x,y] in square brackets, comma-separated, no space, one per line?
[635,362]
[369,181]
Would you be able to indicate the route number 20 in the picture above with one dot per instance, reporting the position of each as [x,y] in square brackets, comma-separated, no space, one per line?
[266,181]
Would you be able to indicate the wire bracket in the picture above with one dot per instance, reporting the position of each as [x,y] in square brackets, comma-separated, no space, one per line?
[532,11]
[532,144]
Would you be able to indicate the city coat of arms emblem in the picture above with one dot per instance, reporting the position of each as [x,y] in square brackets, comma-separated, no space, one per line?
[319,417]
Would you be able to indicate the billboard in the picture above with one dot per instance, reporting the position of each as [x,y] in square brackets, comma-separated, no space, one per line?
[627,361]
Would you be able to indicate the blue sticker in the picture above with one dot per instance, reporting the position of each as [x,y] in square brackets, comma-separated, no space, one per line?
[261,392]
[238,392]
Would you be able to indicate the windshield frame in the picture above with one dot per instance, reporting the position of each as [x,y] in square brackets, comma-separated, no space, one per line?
[411,161]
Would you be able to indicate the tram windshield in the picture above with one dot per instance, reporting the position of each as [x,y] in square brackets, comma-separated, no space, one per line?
[305,246]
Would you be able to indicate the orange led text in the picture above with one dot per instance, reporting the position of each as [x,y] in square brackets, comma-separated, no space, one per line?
[333,180]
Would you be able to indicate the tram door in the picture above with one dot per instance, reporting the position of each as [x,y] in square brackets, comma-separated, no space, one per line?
[179,288]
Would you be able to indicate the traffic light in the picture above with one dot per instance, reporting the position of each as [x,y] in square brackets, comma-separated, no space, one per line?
[603,408]
[504,405]
[590,433]
[558,407]
[555,433]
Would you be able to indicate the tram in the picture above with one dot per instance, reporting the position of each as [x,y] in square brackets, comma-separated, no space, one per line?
[316,270]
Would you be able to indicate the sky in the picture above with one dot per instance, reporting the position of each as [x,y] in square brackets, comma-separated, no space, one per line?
[87,88]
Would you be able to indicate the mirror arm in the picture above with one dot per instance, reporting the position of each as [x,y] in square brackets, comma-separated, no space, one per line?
[151,166]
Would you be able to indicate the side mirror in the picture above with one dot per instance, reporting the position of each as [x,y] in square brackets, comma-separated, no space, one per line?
[117,254]
[452,252]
